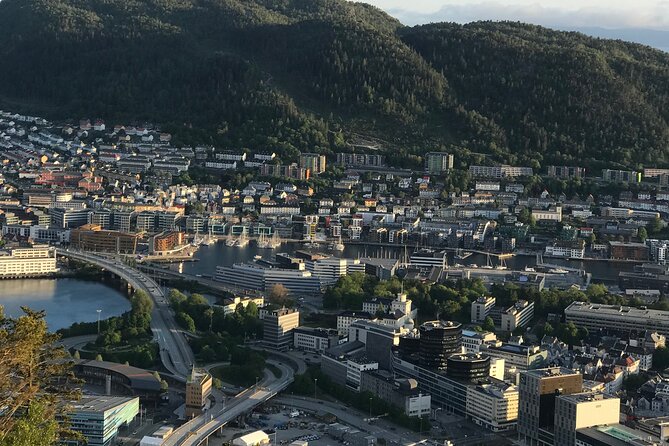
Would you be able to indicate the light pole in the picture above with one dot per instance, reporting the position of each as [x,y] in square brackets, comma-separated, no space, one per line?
[99,311]
[256,383]
[370,408]
[315,387]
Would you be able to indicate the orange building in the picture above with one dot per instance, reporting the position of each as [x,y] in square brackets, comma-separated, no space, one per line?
[166,241]
[93,238]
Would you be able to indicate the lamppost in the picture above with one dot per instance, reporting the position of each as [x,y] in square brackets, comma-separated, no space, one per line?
[370,408]
[99,311]
[256,383]
[315,387]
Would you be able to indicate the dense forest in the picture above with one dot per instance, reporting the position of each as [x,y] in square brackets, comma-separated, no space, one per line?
[314,74]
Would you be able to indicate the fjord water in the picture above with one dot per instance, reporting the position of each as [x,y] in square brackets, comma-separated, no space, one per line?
[65,300]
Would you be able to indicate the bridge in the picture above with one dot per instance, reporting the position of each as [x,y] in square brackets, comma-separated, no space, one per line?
[175,353]
[167,274]
[197,431]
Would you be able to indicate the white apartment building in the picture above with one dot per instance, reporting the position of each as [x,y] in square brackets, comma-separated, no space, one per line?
[551,214]
[472,340]
[518,315]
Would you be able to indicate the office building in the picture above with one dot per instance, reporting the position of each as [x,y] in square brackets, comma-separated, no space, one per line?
[473,340]
[28,262]
[314,340]
[379,340]
[616,435]
[537,394]
[198,389]
[122,220]
[582,410]
[628,251]
[438,162]
[252,276]
[402,393]
[427,259]
[98,419]
[92,238]
[438,341]
[346,363]
[313,162]
[617,317]
[493,404]
[278,326]
[516,357]
[468,366]
[481,308]
[68,218]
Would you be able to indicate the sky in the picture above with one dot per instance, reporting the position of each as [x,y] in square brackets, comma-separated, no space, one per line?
[645,21]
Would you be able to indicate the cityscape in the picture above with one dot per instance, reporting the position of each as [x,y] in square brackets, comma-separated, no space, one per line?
[383,272]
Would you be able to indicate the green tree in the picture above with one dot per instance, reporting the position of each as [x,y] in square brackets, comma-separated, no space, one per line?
[141,303]
[643,234]
[278,295]
[186,322]
[34,427]
[34,375]
[488,324]
[661,358]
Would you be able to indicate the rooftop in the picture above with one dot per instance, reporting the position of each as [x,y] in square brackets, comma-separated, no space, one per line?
[551,372]
[98,404]
[641,312]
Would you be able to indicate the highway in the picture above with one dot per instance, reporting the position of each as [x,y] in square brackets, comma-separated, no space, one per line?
[196,431]
[175,353]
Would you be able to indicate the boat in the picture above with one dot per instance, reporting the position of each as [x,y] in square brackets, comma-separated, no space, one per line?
[529,269]
[558,271]
[230,242]
[473,265]
[207,241]
[269,243]
[242,241]
[462,255]
[338,246]
[257,257]
[502,265]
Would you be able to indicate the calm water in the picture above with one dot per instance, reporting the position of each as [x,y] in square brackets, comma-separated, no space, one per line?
[208,257]
[65,300]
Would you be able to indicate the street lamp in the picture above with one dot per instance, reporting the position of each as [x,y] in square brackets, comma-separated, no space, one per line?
[370,408]
[99,311]
[315,387]
[256,383]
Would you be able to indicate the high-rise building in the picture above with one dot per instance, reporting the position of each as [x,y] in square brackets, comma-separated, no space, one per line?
[278,328]
[198,389]
[313,162]
[98,419]
[537,392]
[468,366]
[437,162]
[438,341]
[581,410]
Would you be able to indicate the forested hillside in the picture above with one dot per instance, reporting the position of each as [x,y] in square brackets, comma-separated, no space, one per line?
[311,74]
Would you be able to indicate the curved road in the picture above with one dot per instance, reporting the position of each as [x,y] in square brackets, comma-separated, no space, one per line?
[175,353]
[197,431]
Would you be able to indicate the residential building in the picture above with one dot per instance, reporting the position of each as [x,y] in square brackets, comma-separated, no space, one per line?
[481,308]
[621,176]
[572,249]
[438,162]
[278,326]
[628,251]
[537,394]
[198,389]
[99,418]
[286,171]
[165,241]
[519,314]
[313,162]
[360,159]
[566,172]
[231,305]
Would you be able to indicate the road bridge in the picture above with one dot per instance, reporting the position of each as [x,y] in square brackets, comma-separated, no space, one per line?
[175,353]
